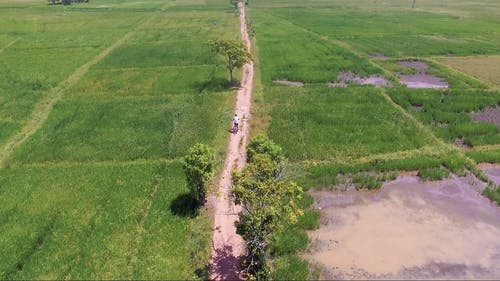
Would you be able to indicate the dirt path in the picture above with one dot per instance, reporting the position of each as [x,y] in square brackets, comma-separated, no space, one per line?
[229,247]
[43,108]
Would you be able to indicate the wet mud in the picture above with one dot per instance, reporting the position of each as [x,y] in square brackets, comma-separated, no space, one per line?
[420,66]
[420,80]
[346,78]
[408,230]
[289,83]
[493,173]
[488,115]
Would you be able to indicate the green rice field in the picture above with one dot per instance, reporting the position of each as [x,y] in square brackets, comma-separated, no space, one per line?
[98,191]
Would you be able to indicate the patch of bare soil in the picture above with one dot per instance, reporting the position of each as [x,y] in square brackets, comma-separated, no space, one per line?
[420,66]
[417,107]
[489,115]
[289,83]
[379,56]
[408,230]
[460,142]
[346,78]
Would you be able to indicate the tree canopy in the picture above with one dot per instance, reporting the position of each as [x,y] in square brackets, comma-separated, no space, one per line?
[234,52]
[199,171]
[268,202]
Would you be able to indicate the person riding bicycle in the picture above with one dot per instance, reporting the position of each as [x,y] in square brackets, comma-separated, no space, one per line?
[236,122]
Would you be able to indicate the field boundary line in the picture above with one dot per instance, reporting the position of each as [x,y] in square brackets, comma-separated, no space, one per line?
[113,69]
[63,164]
[427,150]
[485,147]
[141,231]
[43,108]
[415,120]
[9,44]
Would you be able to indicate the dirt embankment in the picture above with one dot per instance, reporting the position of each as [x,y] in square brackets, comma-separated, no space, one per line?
[408,230]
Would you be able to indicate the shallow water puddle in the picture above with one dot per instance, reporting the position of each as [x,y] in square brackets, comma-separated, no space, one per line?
[289,83]
[420,80]
[408,229]
[423,81]
[488,115]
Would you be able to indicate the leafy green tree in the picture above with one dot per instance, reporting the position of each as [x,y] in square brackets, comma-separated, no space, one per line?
[260,144]
[199,170]
[269,204]
[234,3]
[234,52]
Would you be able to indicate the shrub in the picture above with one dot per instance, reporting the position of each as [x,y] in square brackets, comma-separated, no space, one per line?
[199,170]
[367,182]
[433,174]
[263,145]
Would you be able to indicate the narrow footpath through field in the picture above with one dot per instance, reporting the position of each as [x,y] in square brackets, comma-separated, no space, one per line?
[229,247]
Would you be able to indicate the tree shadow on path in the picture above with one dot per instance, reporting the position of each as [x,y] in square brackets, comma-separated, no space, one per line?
[224,265]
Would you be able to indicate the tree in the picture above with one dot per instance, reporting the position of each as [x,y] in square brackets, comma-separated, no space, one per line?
[199,170]
[413,4]
[260,144]
[234,3]
[235,53]
[269,204]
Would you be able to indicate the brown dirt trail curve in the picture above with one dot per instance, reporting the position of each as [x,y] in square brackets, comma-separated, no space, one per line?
[228,247]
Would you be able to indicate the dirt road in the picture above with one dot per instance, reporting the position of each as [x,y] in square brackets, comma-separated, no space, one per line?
[229,247]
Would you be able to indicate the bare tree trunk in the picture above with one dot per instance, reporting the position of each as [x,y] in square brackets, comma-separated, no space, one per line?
[230,67]
[413,5]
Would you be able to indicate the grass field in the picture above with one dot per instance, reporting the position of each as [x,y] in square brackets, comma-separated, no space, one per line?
[98,192]
[485,68]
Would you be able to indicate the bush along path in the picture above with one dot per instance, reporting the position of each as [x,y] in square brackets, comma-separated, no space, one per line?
[228,247]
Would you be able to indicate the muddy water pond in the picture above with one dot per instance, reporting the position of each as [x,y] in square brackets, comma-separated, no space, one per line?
[493,173]
[408,230]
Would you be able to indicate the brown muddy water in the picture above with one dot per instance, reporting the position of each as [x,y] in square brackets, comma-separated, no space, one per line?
[408,230]
[493,173]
